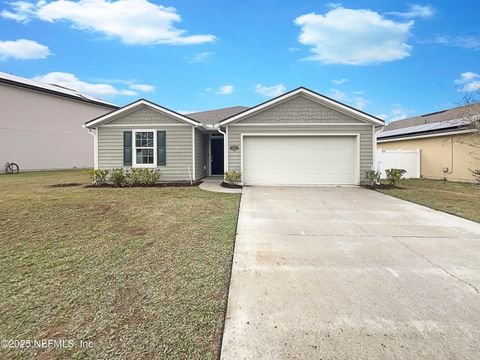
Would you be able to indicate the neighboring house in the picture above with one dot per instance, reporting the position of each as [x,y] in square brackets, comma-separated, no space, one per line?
[298,138]
[449,145]
[41,124]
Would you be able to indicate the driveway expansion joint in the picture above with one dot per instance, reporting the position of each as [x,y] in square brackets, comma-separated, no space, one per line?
[436,265]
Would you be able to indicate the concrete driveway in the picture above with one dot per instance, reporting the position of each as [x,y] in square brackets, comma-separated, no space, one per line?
[348,273]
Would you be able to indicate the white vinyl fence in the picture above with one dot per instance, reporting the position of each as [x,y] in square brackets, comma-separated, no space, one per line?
[399,159]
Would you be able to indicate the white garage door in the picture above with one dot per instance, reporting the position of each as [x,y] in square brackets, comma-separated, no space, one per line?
[299,160]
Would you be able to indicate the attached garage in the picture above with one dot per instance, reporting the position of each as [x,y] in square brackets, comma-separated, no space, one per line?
[300,159]
[300,138]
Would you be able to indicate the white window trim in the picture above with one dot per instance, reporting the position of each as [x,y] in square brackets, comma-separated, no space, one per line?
[134,149]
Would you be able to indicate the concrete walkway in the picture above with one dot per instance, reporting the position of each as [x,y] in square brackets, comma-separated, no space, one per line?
[213,183]
[349,273]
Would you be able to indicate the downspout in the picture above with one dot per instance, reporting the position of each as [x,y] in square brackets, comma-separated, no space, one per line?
[451,155]
[225,148]
[93,132]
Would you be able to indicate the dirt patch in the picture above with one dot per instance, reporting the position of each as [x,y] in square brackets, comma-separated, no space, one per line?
[230,186]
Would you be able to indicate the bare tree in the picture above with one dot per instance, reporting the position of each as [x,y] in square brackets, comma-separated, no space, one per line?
[471,115]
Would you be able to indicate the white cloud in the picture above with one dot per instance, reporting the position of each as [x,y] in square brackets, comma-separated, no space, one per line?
[416,10]
[199,57]
[23,49]
[397,112]
[339,81]
[466,41]
[225,90]
[354,99]
[270,91]
[354,37]
[469,82]
[138,22]
[96,89]
[142,87]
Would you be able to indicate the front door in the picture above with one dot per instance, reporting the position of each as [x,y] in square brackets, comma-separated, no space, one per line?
[216,151]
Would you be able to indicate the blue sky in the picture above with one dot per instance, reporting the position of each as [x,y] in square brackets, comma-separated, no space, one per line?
[389,58]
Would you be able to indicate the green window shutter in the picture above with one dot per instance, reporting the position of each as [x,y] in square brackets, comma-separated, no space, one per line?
[127,148]
[161,148]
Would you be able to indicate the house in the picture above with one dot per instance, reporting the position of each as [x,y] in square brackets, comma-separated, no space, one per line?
[449,145]
[298,138]
[41,124]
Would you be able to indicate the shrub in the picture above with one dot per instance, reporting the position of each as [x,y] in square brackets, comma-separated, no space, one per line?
[476,174]
[394,176]
[150,176]
[233,177]
[135,177]
[373,177]
[118,177]
[98,176]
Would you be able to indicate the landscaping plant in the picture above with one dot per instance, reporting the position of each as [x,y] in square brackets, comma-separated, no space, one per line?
[476,174]
[118,177]
[98,176]
[373,177]
[150,176]
[233,177]
[394,176]
[135,177]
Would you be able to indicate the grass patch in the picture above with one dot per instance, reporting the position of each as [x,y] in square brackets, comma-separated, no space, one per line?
[140,272]
[457,198]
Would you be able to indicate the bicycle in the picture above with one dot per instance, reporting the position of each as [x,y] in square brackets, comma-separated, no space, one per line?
[11,168]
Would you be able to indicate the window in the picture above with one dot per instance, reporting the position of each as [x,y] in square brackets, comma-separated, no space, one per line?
[145,149]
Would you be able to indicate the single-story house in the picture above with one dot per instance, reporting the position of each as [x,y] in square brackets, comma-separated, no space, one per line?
[41,124]
[298,138]
[449,145]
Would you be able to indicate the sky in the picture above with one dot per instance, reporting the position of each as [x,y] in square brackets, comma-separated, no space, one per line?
[393,59]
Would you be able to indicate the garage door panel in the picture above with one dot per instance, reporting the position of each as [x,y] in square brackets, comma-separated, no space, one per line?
[298,160]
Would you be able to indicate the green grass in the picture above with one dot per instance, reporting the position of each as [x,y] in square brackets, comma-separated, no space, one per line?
[140,272]
[457,198]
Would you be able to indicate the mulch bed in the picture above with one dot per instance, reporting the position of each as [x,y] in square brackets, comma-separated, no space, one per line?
[383,186]
[164,184]
[65,185]
[230,186]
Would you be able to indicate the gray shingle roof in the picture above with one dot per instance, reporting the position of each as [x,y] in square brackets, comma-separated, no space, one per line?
[439,126]
[213,117]
[449,114]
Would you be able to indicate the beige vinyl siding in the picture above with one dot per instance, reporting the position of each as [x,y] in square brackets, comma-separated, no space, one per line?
[365,132]
[201,143]
[299,110]
[144,115]
[178,148]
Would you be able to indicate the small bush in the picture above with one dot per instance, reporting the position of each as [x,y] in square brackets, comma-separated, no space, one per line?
[233,177]
[135,177]
[98,176]
[373,177]
[150,176]
[476,174]
[394,176]
[118,177]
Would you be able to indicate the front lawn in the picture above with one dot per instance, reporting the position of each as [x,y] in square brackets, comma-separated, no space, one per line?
[139,272]
[457,198]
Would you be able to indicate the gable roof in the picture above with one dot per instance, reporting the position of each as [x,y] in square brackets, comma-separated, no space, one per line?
[322,99]
[138,104]
[213,117]
[52,89]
